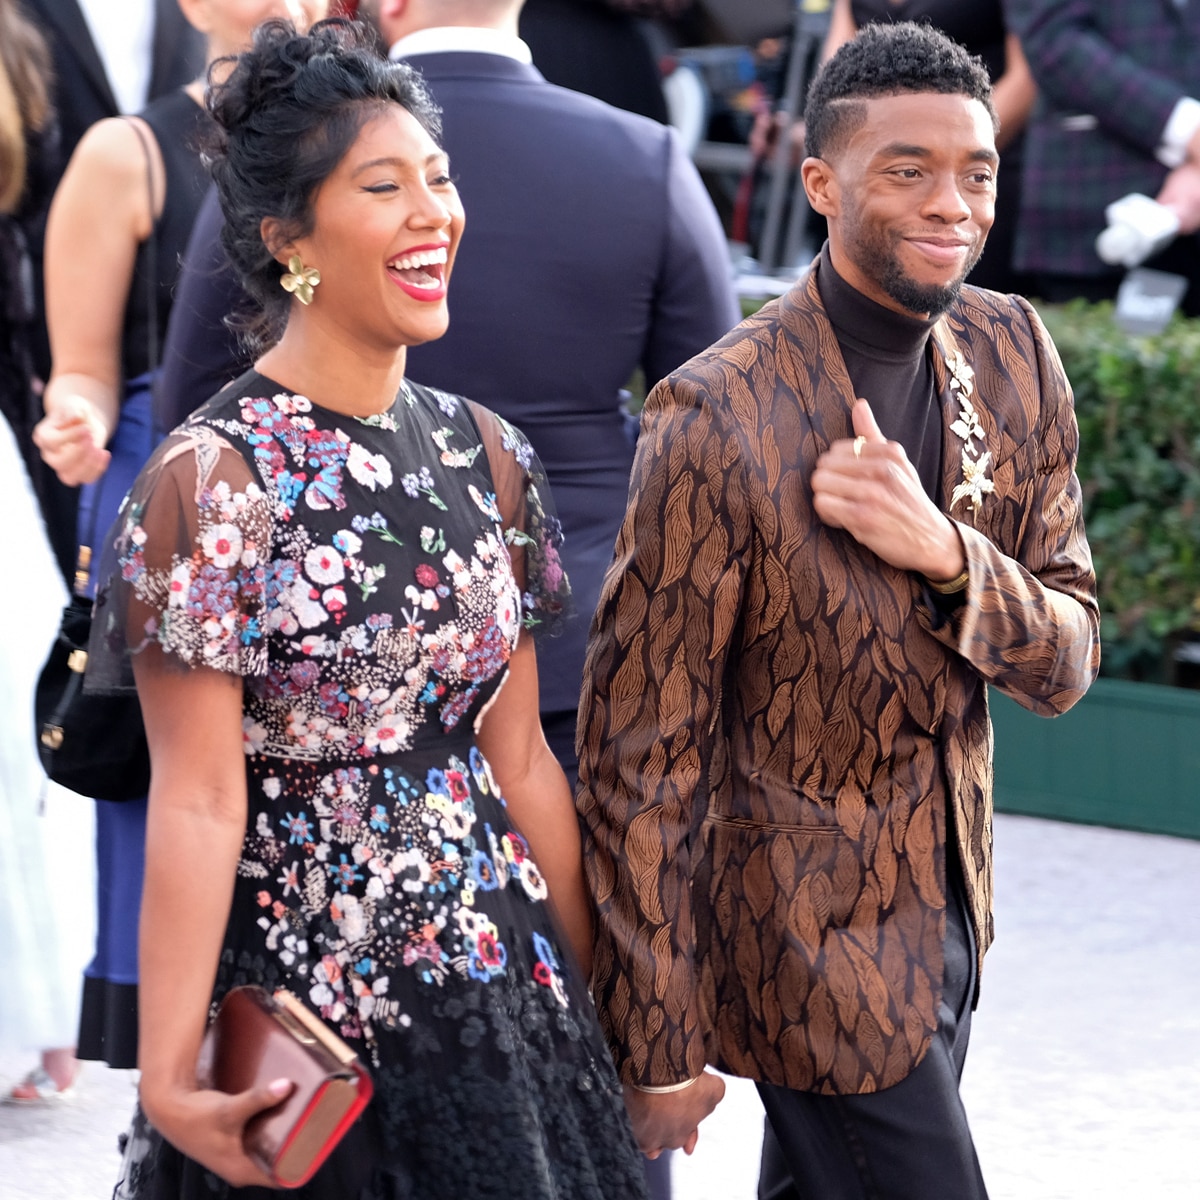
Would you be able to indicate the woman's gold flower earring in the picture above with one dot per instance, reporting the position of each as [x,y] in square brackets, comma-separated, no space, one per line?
[300,280]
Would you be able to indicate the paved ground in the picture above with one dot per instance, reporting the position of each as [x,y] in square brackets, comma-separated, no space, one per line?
[1083,1081]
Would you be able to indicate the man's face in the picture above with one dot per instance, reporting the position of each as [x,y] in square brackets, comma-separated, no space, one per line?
[910,198]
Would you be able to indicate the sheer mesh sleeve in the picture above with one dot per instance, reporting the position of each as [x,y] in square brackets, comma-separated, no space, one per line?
[532,528]
[185,565]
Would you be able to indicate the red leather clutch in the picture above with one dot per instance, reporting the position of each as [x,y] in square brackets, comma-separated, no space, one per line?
[257,1038]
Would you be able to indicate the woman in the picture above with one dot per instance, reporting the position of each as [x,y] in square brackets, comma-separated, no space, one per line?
[325,578]
[118,223]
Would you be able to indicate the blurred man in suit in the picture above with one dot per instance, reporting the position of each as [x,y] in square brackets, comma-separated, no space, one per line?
[109,57]
[1118,112]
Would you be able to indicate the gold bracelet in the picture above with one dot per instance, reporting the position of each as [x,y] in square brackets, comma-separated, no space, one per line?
[664,1089]
[950,586]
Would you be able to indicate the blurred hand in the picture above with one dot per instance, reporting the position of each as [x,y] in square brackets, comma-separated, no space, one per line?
[71,441]
[670,1121]
[208,1126]
[876,496]
[764,136]
[1181,192]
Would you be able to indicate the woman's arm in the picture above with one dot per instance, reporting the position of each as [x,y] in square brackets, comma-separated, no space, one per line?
[538,795]
[100,214]
[1014,92]
[842,27]
[194,833]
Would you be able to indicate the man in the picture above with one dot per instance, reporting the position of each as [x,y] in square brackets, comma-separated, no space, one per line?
[785,752]
[1119,112]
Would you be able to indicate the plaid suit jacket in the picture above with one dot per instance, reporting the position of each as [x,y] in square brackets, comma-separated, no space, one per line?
[774,723]
[1109,72]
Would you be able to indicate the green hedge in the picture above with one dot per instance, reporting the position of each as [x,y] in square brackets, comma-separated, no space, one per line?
[1138,404]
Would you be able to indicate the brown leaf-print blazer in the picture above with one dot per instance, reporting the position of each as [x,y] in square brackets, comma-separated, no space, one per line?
[774,720]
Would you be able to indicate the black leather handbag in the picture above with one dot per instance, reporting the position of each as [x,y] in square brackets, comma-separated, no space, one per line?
[93,744]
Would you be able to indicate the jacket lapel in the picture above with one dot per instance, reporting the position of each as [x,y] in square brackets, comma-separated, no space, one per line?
[969,435]
[830,394]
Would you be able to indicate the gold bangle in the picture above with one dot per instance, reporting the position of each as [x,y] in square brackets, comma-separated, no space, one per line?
[664,1089]
[950,586]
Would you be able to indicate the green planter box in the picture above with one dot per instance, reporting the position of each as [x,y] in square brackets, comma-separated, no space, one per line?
[1127,755]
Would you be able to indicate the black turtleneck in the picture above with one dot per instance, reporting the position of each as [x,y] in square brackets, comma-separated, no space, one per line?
[888,359]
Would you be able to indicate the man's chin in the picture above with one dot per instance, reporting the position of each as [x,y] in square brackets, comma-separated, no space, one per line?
[923,299]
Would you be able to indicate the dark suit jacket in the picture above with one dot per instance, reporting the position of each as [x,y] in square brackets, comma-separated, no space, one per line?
[591,249]
[775,722]
[1108,73]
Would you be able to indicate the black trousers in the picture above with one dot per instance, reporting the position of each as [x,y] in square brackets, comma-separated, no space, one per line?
[908,1142]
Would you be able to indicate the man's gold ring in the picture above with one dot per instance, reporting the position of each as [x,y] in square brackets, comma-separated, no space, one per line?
[859,443]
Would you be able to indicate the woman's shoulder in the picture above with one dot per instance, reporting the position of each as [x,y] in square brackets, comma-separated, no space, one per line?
[110,150]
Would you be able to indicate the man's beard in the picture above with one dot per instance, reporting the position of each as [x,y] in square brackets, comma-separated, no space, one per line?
[931,298]
[880,262]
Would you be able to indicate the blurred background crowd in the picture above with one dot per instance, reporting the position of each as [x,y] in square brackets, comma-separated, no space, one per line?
[1099,102]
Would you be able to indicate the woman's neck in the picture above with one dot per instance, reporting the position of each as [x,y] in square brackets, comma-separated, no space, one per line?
[346,377]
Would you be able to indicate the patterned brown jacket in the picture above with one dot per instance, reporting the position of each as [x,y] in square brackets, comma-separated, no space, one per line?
[774,721]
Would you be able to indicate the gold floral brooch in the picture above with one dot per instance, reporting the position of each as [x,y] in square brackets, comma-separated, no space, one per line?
[975,460]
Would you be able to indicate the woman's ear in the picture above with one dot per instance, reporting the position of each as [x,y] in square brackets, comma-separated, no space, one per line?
[271,231]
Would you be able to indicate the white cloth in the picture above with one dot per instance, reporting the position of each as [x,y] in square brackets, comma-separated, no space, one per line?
[47,857]
[1181,125]
[447,38]
[123,33]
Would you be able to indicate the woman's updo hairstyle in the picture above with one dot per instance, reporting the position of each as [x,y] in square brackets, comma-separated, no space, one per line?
[286,113]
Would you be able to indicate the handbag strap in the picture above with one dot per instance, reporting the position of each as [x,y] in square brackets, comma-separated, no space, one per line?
[151,251]
[83,555]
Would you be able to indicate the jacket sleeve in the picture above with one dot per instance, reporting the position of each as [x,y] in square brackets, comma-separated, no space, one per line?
[1079,69]
[1031,623]
[647,723]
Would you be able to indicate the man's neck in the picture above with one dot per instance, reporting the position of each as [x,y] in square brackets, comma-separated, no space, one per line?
[859,319]
[476,39]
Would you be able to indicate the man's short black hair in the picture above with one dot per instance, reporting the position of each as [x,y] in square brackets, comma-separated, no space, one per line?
[884,60]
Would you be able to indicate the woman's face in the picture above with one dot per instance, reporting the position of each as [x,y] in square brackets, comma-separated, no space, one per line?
[386,226]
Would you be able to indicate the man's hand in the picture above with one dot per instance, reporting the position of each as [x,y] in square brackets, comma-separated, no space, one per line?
[670,1121]
[71,441]
[1181,192]
[867,486]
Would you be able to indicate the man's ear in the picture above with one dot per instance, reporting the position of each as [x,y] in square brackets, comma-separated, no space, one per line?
[821,186]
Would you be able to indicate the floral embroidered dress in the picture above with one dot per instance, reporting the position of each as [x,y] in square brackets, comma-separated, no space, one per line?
[368,580]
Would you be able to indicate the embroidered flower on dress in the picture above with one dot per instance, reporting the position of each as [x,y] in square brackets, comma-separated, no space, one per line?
[371,470]
[222,545]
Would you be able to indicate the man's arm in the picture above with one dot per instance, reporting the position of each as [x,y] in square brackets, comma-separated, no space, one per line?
[695,302]
[1080,70]
[1031,624]
[649,708]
